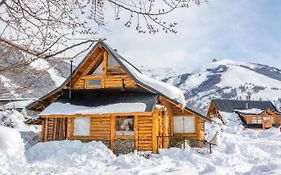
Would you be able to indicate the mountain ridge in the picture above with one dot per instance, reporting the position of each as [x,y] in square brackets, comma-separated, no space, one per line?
[224,78]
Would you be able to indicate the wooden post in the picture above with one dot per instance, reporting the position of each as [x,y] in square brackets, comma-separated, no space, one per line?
[43,130]
[154,131]
[112,132]
[46,129]
[105,59]
[136,132]
[166,131]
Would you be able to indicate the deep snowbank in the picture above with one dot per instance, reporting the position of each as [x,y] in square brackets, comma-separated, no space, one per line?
[239,151]
[11,143]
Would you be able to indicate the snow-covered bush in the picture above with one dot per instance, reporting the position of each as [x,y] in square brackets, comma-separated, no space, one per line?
[11,118]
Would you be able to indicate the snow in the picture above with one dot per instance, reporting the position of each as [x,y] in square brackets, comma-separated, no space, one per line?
[225,62]
[7,83]
[41,64]
[67,108]
[251,111]
[238,151]
[17,104]
[11,143]
[236,76]
[195,80]
[167,89]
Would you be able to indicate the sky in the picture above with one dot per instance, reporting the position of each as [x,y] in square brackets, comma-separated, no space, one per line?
[243,30]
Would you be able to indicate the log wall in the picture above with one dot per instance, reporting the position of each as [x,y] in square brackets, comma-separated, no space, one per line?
[144,132]
[108,81]
[54,129]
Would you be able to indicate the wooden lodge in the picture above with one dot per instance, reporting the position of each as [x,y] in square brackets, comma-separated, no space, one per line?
[253,114]
[108,99]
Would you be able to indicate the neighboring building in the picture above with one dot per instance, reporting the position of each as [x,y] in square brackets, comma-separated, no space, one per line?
[106,98]
[253,114]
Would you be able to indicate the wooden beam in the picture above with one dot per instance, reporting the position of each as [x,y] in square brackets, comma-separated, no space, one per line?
[136,130]
[112,132]
[154,131]
[105,62]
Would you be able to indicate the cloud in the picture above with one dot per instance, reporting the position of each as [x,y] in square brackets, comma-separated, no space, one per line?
[240,30]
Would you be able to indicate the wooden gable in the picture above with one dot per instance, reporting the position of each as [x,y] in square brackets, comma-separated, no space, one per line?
[103,71]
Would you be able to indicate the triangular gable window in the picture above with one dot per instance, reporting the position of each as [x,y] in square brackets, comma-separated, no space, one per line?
[112,62]
[98,70]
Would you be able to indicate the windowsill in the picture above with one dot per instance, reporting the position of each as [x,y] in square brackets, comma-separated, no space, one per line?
[124,133]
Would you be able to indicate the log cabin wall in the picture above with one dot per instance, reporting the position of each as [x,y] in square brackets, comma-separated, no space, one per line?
[103,128]
[144,133]
[54,129]
[213,111]
[266,120]
[173,111]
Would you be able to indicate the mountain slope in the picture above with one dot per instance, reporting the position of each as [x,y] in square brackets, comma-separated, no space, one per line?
[33,80]
[227,79]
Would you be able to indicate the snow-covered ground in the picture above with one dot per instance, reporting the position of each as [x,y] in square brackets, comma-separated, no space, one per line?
[239,151]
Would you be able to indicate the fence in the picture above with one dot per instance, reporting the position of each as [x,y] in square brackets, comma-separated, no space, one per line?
[184,142]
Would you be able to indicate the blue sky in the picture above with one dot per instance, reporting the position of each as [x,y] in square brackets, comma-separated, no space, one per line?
[243,30]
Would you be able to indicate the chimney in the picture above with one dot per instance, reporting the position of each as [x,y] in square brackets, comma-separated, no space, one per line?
[70,82]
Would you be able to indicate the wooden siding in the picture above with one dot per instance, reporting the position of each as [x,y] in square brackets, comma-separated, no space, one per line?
[266,120]
[111,77]
[144,132]
[54,129]
[177,110]
[108,81]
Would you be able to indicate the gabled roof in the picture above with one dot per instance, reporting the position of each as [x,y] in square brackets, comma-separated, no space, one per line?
[232,105]
[154,86]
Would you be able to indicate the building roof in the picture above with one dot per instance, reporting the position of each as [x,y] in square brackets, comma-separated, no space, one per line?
[86,100]
[166,90]
[232,105]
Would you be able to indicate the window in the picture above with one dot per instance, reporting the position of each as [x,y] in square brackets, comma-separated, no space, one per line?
[81,126]
[254,120]
[259,120]
[98,70]
[125,125]
[184,124]
[94,82]
[112,62]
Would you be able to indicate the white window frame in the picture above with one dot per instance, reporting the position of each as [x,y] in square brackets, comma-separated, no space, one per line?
[83,129]
[187,126]
[125,133]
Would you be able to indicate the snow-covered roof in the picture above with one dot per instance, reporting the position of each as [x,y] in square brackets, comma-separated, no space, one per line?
[250,111]
[67,108]
[167,89]
[232,105]
[102,101]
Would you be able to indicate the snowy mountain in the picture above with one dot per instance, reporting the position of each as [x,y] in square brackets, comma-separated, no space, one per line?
[33,80]
[219,79]
[226,79]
